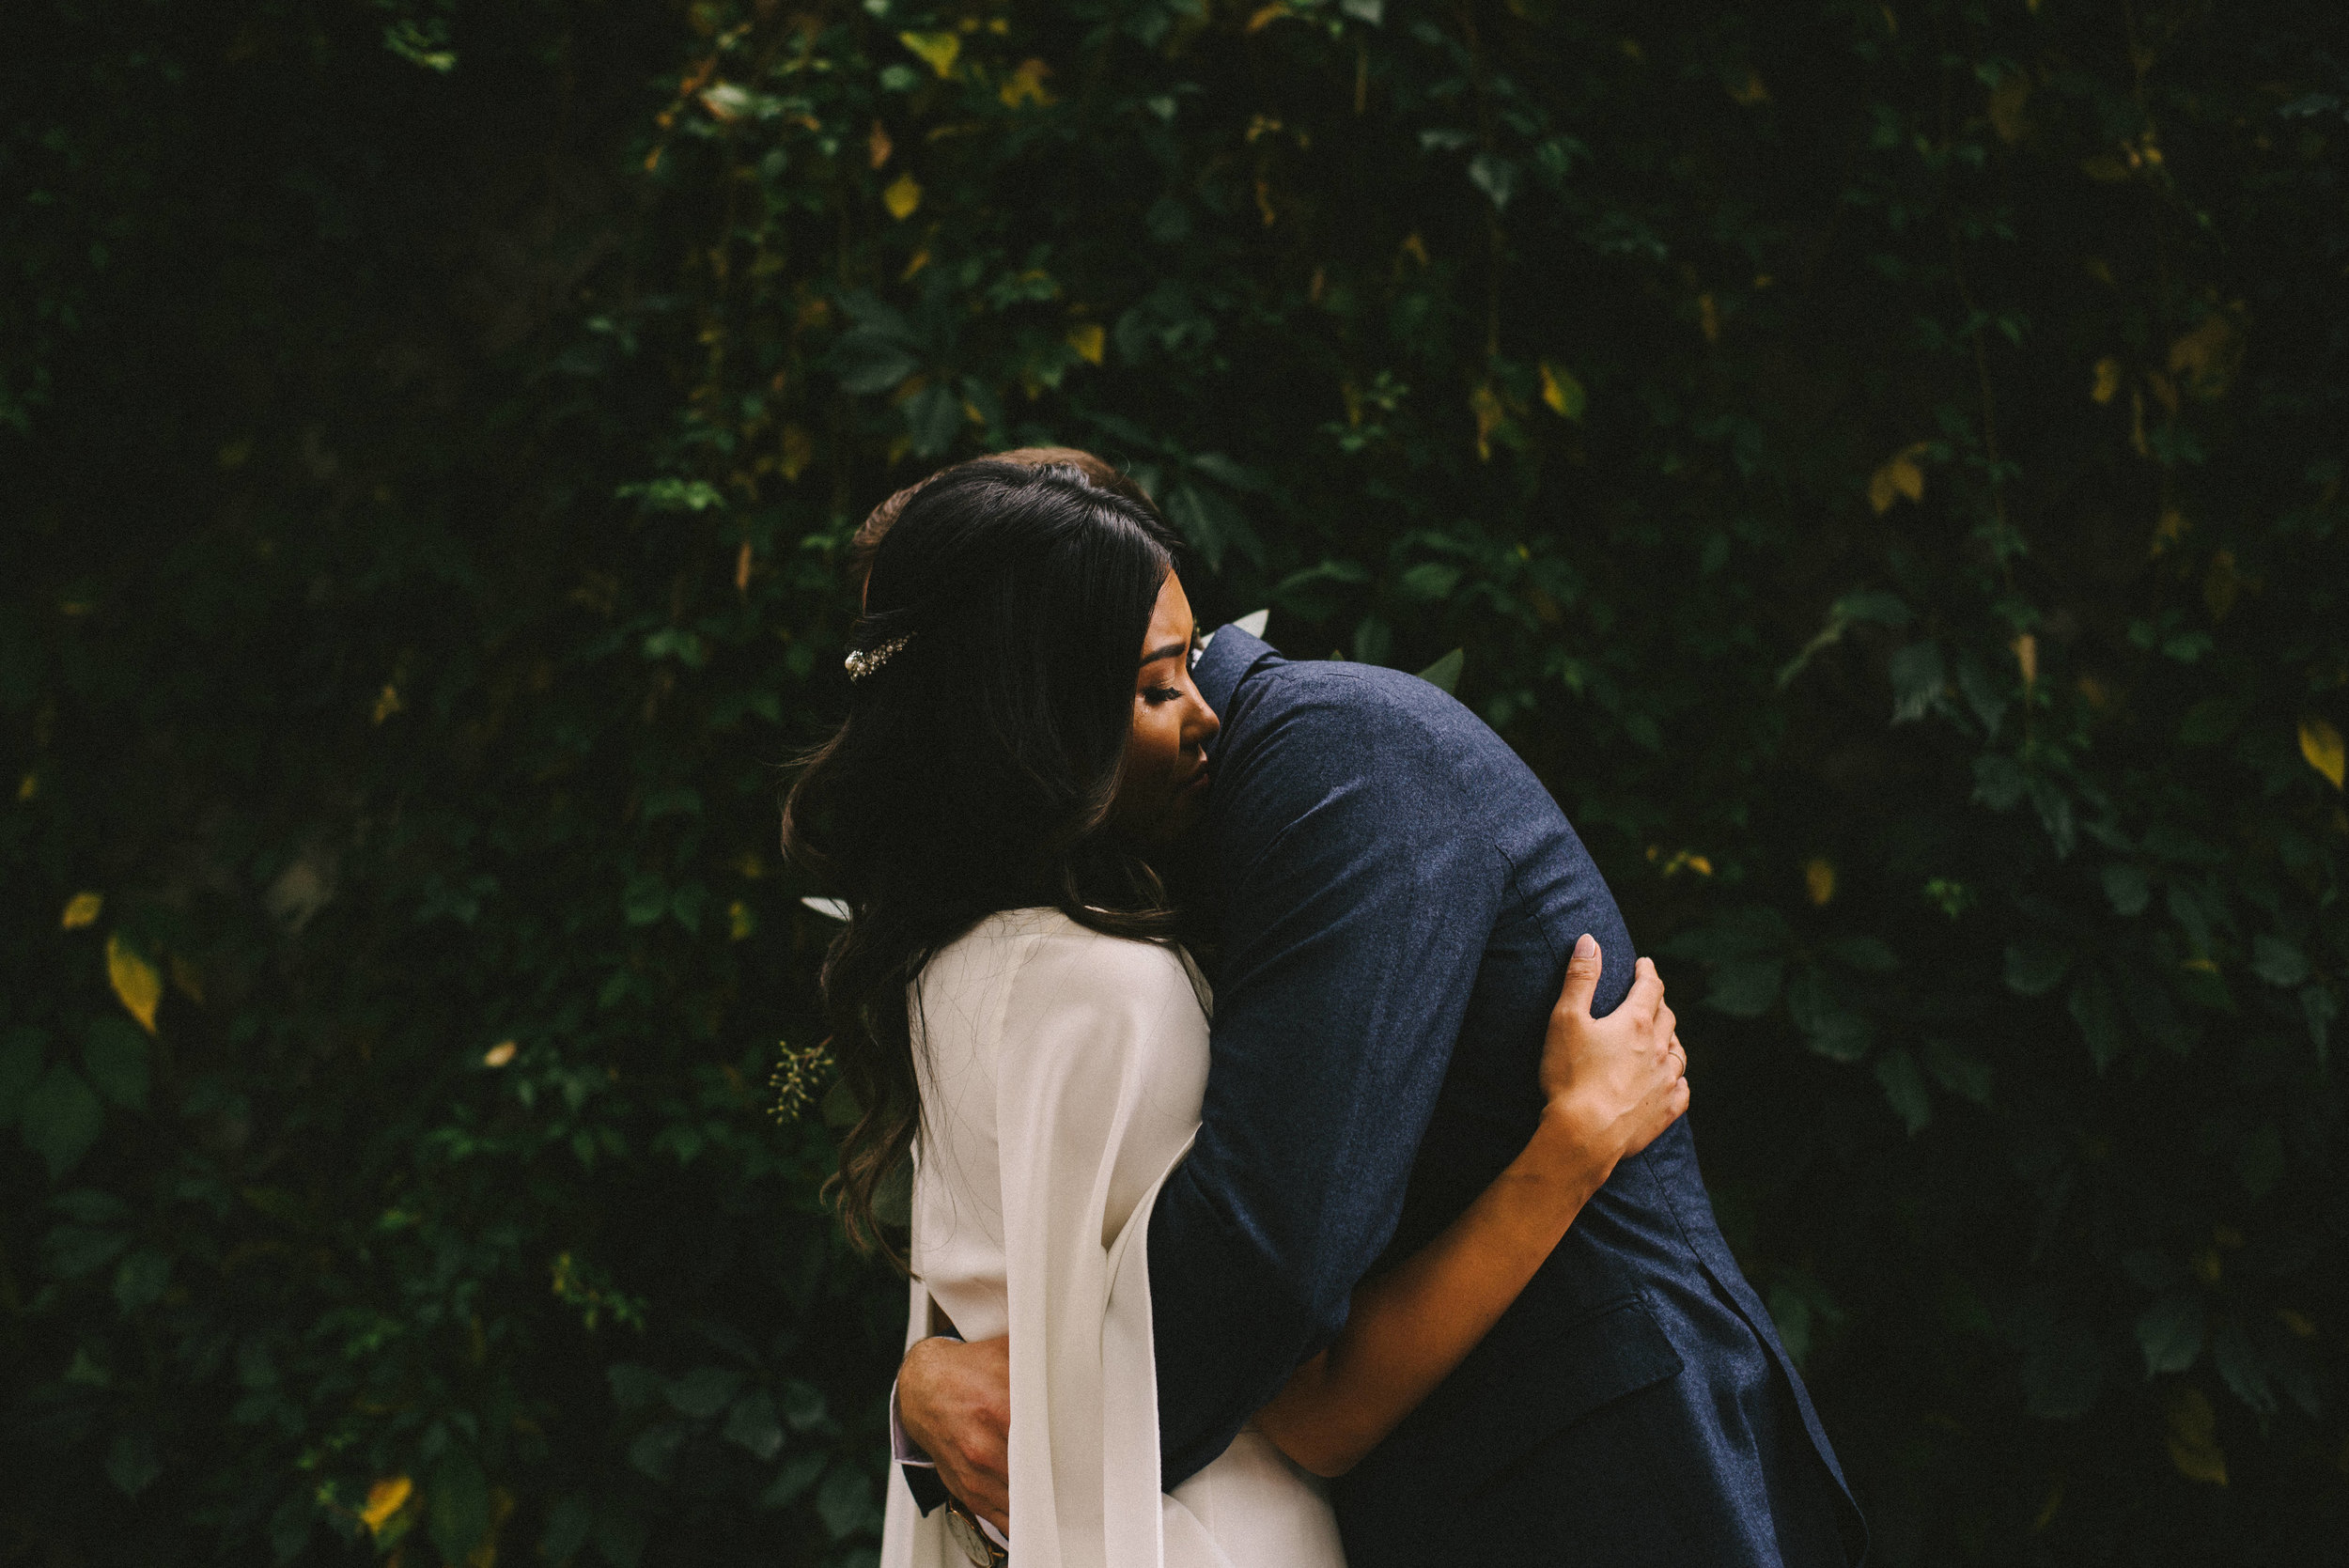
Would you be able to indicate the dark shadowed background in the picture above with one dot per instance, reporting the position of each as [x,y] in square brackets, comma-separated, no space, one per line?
[1881,464]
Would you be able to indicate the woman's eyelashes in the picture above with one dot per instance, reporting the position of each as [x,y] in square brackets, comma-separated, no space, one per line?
[1158,696]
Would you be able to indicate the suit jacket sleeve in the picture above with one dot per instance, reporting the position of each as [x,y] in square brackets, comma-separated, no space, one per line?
[1358,904]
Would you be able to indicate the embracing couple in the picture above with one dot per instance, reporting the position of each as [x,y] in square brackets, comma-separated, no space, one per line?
[1299,1177]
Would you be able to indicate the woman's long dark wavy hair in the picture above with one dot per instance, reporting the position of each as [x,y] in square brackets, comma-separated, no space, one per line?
[975,769]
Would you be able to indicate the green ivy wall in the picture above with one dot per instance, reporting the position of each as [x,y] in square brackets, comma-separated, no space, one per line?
[1883,465]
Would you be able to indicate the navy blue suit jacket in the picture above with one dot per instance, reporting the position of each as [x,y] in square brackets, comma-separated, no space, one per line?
[1399,896]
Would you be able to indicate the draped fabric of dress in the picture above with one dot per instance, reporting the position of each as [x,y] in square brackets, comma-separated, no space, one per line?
[1061,1078]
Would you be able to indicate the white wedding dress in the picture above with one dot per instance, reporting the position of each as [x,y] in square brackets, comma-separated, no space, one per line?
[1061,1073]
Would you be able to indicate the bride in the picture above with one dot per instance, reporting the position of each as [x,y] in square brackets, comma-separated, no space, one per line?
[1013,1006]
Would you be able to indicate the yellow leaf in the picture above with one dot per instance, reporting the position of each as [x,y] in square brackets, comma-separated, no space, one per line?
[2027,656]
[2006,107]
[387,703]
[1818,879]
[1414,247]
[1899,476]
[878,145]
[1563,393]
[2298,1322]
[2321,744]
[1710,317]
[2108,380]
[137,982]
[939,51]
[2207,356]
[902,197]
[1087,338]
[383,1500]
[1485,404]
[1267,16]
[81,910]
[26,787]
[499,1054]
[741,920]
[2194,1437]
[1751,91]
[1026,85]
[2172,526]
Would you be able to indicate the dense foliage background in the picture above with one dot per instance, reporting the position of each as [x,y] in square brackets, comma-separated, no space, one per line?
[1883,463]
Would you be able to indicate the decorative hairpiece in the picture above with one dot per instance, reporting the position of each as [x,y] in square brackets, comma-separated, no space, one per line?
[865,663]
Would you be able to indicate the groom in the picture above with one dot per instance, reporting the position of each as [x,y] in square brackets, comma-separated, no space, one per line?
[1399,895]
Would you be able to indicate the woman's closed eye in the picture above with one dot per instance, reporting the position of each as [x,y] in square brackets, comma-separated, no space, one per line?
[1158,696]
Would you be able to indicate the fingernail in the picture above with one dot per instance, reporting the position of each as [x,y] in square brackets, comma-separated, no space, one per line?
[1586,946]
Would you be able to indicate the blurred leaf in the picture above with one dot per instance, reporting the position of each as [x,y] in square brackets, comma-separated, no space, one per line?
[903,198]
[115,1056]
[2034,969]
[457,1505]
[1444,674]
[939,51]
[2169,1332]
[2319,742]
[1899,476]
[868,361]
[754,1425]
[131,1463]
[1904,1086]
[22,1051]
[2278,961]
[1917,681]
[1563,393]
[2099,1017]
[2127,887]
[81,909]
[137,983]
[704,1391]
[2194,1437]
[62,1119]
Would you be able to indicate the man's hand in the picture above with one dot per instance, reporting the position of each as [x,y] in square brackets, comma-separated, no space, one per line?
[1614,1082]
[954,1402]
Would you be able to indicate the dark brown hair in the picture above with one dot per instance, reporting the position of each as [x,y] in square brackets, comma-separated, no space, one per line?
[977,763]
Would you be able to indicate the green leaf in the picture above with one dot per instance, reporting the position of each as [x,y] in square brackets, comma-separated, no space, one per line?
[2095,1009]
[1429,579]
[1903,1085]
[1496,175]
[2034,969]
[568,1523]
[22,1051]
[1829,1028]
[704,1391]
[2278,961]
[2169,1332]
[141,1279]
[2127,887]
[1746,988]
[113,1053]
[933,416]
[791,1482]
[870,362]
[844,1501]
[62,1119]
[753,1424]
[131,1463]
[1917,681]
[1444,674]
[1959,1071]
[2238,1363]
[457,1505]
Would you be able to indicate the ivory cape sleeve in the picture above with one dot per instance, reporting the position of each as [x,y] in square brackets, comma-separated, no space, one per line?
[1061,1073]
[1098,1074]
